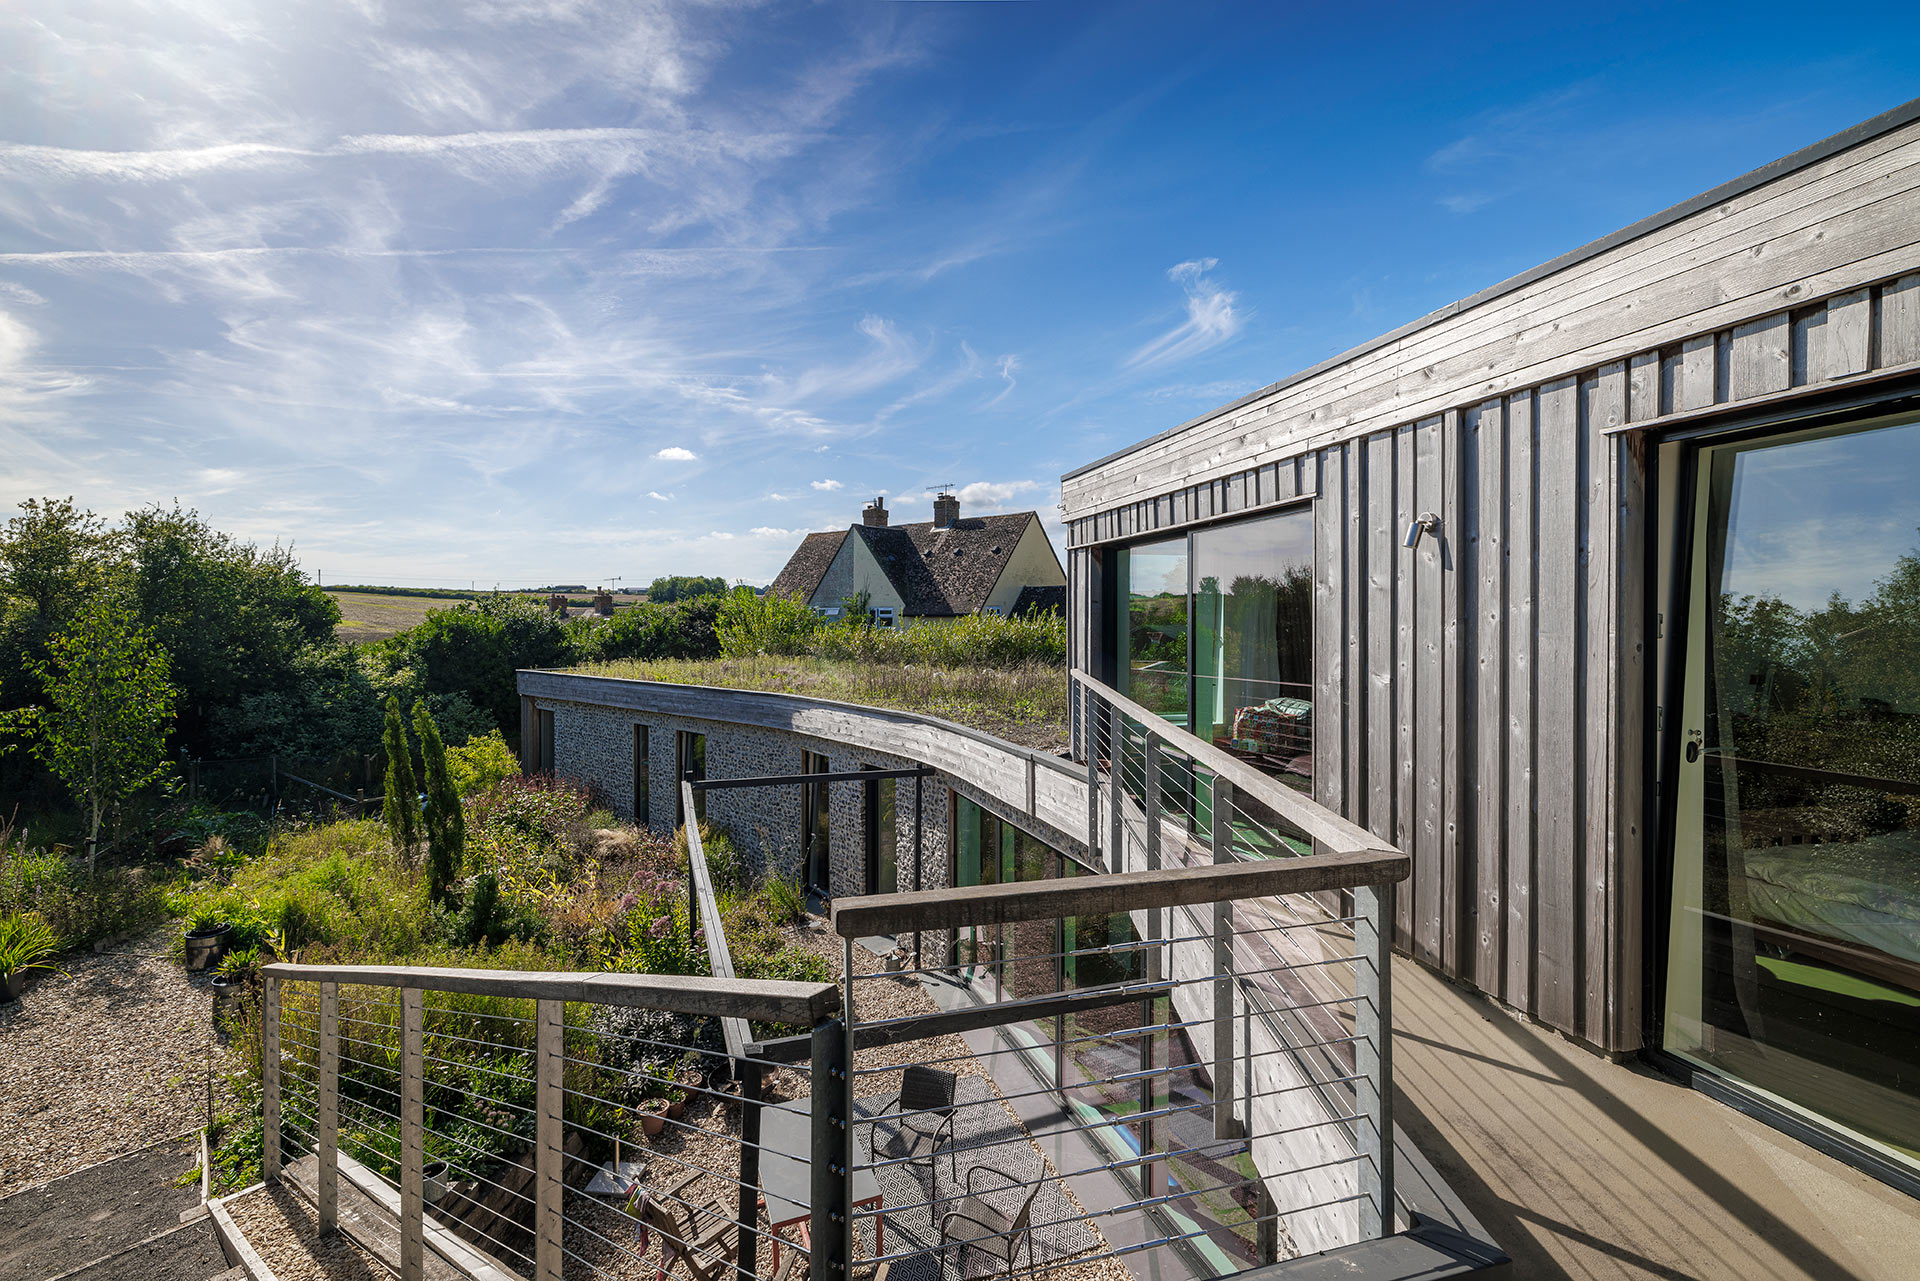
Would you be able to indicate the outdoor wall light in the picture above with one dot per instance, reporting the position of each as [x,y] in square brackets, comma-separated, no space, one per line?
[1424,523]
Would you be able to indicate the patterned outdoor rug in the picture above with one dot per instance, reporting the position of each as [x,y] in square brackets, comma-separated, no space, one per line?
[1059,1231]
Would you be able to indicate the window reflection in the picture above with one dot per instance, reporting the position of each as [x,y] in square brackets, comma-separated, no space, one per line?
[1795,931]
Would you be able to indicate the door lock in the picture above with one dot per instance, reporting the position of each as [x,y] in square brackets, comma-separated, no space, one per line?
[1694,738]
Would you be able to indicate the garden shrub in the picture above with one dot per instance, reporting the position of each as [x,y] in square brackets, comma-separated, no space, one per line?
[482,763]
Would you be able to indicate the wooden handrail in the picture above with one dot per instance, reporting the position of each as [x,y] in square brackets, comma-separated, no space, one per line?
[734,1031]
[1108,895]
[769,1000]
[1323,825]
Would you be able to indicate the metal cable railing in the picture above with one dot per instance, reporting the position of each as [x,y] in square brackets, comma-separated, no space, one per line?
[1230,1066]
[477,1129]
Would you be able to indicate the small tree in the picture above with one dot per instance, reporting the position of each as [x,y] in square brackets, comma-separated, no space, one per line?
[109,703]
[446,825]
[401,806]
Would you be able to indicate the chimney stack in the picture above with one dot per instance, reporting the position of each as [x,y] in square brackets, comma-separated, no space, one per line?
[875,513]
[946,510]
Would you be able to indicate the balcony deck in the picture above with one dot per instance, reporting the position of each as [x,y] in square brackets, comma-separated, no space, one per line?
[1585,1168]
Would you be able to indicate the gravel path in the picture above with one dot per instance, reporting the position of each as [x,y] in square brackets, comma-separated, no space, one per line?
[285,1230]
[105,1058]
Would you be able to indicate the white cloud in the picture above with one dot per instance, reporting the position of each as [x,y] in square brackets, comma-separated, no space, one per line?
[659,497]
[777,498]
[721,535]
[995,494]
[1211,318]
[768,531]
[825,486]
[676,454]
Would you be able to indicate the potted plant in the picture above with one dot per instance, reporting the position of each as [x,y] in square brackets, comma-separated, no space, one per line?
[26,942]
[236,970]
[433,1182]
[893,962]
[207,936]
[676,1102]
[653,1117]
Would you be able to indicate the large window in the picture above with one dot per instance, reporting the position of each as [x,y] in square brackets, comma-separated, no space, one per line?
[1794,932]
[883,836]
[815,808]
[1218,636]
[689,757]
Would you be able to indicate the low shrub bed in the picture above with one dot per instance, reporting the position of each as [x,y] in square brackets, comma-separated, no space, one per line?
[550,881]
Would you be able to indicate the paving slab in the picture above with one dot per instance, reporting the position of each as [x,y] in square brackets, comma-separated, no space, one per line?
[98,1211]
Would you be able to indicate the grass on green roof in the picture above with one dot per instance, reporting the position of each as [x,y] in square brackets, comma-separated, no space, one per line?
[1024,704]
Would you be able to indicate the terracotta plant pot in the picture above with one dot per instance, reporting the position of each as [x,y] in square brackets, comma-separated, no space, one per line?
[651,1123]
[675,1109]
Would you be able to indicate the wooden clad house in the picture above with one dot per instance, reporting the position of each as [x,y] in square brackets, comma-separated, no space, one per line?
[1598,592]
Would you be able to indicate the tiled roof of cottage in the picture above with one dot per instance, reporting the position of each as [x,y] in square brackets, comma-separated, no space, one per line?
[808,564]
[947,571]
[1047,600]
[937,572]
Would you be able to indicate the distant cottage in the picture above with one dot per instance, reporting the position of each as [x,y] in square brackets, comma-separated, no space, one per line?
[940,568]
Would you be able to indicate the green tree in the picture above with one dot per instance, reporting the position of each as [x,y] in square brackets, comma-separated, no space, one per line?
[103,727]
[446,825]
[474,650]
[662,591]
[401,806]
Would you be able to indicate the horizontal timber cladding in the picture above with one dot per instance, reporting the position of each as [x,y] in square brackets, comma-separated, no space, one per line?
[1491,683]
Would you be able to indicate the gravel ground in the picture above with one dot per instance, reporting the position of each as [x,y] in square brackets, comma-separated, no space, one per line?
[284,1229]
[105,1058]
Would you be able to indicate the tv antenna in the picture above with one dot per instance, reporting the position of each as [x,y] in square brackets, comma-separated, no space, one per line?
[947,488]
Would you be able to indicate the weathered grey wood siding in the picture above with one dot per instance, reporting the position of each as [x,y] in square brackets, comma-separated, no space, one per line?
[1488,690]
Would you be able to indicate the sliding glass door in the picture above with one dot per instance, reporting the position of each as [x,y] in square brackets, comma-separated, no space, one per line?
[1794,933]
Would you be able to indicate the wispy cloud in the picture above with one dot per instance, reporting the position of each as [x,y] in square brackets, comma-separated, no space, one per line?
[1211,317]
[1007,366]
[825,486]
[659,497]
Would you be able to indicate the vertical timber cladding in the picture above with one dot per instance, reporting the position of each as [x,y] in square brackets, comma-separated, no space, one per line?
[1489,680]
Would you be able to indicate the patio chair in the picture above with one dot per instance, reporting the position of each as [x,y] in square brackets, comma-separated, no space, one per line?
[701,1236]
[992,1232]
[926,1126]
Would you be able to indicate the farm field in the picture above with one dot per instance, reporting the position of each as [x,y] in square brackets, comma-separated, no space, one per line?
[374,616]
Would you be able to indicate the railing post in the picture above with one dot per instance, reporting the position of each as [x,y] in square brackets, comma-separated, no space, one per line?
[327,1141]
[832,1135]
[413,1156]
[270,1080]
[1373,1055]
[747,1252]
[1225,1124]
[1090,742]
[1116,816]
[549,1207]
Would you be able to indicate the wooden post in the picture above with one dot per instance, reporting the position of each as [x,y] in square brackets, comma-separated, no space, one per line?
[270,1080]
[193,780]
[1116,815]
[832,1180]
[1373,1054]
[327,1141]
[747,1254]
[413,1157]
[1090,742]
[919,822]
[1225,1124]
[549,1208]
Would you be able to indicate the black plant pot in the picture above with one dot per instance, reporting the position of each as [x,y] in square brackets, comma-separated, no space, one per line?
[11,986]
[206,947]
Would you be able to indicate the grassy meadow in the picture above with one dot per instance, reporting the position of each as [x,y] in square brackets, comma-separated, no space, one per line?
[371,616]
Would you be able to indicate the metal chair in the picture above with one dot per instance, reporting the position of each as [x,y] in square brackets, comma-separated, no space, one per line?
[993,1232]
[926,1092]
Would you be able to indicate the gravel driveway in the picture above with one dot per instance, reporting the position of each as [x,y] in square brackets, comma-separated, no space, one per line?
[102,1059]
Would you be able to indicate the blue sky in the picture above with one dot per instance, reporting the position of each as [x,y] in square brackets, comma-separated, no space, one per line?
[558,291]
